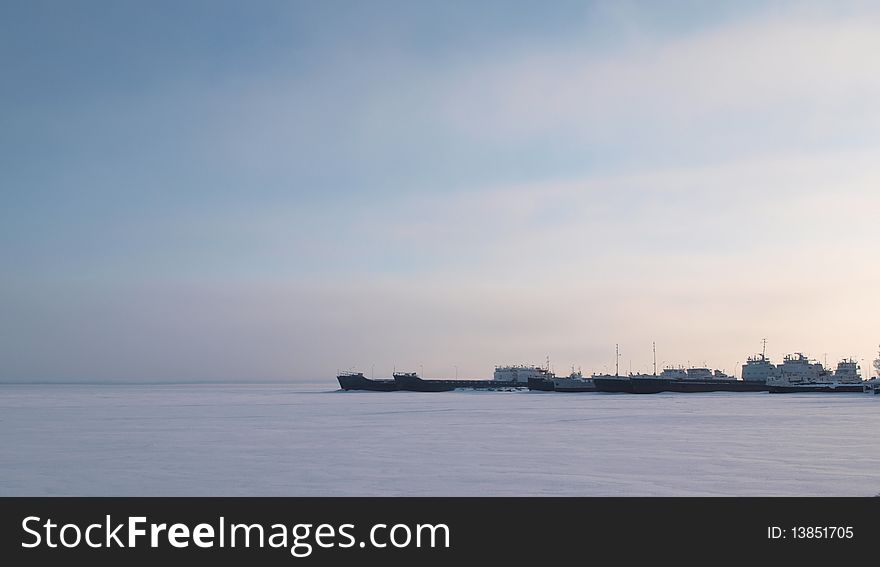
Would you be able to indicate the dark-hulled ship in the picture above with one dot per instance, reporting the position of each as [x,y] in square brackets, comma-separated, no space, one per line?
[505,377]
[756,371]
[541,384]
[693,380]
[357,381]
[613,383]
[677,380]
[411,382]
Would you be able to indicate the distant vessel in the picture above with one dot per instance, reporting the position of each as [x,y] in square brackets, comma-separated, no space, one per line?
[798,373]
[542,384]
[574,382]
[357,381]
[523,374]
[411,382]
[696,379]
[505,377]
[613,383]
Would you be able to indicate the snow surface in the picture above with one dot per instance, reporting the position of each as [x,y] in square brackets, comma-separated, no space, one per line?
[311,440]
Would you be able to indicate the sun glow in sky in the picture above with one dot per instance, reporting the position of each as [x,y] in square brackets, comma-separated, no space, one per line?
[280,190]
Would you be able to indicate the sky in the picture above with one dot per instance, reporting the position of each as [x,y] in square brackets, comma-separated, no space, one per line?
[252,191]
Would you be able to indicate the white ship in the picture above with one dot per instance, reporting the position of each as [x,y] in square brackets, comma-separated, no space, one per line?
[693,373]
[542,379]
[574,382]
[521,374]
[758,368]
[798,373]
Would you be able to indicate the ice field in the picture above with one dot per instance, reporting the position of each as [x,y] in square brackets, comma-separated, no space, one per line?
[311,440]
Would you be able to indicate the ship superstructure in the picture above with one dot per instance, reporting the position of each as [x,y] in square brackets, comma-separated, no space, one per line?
[758,368]
[521,374]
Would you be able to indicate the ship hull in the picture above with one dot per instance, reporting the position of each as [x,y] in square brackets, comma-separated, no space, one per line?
[822,388]
[613,385]
[658,385]
[576,385]
[573,389]
[358,382]
[541,385]
[416,384]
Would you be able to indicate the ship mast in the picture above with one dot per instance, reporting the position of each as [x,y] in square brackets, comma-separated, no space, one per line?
[877,363]
[764,351]
[654,347]
[617,360]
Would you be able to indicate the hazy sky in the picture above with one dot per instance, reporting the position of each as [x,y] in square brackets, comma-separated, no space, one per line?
[278,190]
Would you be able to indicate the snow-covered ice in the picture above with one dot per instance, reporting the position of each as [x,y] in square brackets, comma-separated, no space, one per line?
[311,440]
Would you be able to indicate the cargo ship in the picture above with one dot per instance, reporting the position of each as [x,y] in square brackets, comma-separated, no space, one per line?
[695,379]
[505,377]
[798,373]
[357,381]
[613,383]
[411,382]
[755,373]
[541,384]
[677,380]
[574,382]
[617,384]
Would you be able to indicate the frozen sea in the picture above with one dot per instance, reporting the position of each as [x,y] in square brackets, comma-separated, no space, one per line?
[312,440]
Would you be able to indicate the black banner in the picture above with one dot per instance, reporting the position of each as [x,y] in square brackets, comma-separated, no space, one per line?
[428,531]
